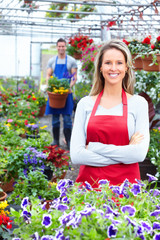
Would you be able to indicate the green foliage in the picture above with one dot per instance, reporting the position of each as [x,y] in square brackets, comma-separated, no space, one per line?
[82,89]
[58,85]
[148,82]
[154,149]
[35,186]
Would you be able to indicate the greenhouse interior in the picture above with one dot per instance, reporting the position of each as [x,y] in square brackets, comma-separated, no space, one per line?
[89,168]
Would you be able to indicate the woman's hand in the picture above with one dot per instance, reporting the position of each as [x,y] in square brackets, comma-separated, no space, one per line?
[136,138]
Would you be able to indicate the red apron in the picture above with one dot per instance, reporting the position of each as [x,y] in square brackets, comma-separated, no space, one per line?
[108,129]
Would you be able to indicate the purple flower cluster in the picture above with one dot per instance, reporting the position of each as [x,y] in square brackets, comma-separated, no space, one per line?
[33,159]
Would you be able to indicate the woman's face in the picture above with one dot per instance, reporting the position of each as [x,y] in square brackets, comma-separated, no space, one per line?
[113,66]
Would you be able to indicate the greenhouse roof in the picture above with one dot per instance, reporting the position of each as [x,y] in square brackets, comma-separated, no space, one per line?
[135,18]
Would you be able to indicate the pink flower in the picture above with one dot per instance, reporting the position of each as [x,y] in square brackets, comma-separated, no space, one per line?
[10,120]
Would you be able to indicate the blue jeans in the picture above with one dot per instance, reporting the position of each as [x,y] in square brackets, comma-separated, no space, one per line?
[67,121]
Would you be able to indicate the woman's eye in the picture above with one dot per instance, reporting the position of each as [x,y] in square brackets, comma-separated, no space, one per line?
[120,63]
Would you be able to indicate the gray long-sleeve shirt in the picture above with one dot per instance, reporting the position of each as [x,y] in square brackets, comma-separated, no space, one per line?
[99,154]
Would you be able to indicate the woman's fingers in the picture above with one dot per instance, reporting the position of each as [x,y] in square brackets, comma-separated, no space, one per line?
[136,138]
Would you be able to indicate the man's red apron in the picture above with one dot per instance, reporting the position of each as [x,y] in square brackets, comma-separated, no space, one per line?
[108,129]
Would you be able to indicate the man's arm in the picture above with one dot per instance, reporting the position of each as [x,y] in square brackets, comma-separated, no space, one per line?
[49,73]
[74,78]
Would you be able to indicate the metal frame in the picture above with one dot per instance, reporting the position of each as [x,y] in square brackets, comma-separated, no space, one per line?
[17,21]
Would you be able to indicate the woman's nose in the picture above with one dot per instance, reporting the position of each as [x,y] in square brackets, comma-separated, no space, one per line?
[113,66]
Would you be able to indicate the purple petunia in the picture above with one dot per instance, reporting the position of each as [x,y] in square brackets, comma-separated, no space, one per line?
[112,231]
[156,213]
[35,236]
[59,234]
[47,237]
[157,237]
[87,211]
[136,189]
[151,178]
[88,186]
[25,202]
[128,208]
[140,232]
[155,192]
[156,225]
[65,218]
[146,226]
[133,223]
[47,220]
[103,181]
[62,207]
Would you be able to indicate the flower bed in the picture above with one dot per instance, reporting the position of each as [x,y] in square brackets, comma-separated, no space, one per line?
[129,211]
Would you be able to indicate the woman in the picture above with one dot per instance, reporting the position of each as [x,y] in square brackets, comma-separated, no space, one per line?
[111,128]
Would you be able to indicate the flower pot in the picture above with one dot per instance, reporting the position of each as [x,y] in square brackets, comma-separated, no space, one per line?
[23,135]
[57,100]
[3,196]
[54,179]
[32,136]
[77,56]
[7,186]
[48,203]
[42,110]
[137,63]
[27,1]
[146,62]
[158,60]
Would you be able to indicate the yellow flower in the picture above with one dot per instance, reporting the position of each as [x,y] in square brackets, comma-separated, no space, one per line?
[3,204]
[43,127]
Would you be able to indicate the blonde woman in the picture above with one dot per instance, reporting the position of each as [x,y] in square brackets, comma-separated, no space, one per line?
[111,127]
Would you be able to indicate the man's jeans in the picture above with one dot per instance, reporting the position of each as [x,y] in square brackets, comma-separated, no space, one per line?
[67,121]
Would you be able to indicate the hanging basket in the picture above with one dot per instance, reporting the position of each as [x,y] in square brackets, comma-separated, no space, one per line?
[137,63]
[57,100]
[77,56]
[146,62]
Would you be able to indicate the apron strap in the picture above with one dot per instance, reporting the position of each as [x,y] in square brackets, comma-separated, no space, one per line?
[125,105]
[96,103]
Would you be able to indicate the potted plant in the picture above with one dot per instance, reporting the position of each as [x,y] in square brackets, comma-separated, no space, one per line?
[56,6]
[88,58]
[135,47]
[35,185]
[77,45]
[57,160]
[156,48]
[28,4]
[128,211]
[24,159]
[81,8]
[57,90]
[39,99]
[32,130]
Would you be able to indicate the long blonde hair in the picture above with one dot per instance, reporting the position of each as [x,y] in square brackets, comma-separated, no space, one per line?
[98,79]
